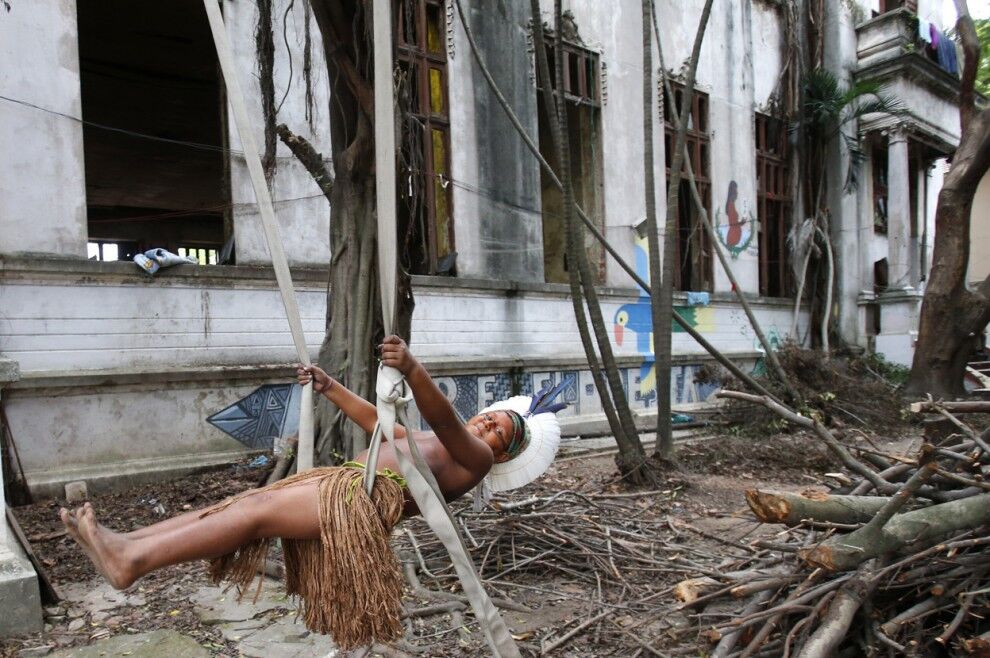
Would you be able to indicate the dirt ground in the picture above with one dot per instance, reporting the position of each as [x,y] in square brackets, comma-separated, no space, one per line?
[705,495]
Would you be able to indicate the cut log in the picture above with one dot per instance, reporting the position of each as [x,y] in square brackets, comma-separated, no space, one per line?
[845,552]
[968,407]
[977,647]
[688,591]
[790,508]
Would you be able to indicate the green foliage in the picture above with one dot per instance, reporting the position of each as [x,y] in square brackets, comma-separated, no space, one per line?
[893,373]
[828,108]
[983,71]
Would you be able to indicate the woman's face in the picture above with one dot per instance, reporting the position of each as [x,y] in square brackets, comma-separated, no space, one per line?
[494,428]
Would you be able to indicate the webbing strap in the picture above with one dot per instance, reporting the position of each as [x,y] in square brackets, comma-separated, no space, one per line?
[393,400]
[267,211]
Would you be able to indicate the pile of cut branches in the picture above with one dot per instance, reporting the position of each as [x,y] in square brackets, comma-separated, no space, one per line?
[616,547]
[844,390]
[894,561]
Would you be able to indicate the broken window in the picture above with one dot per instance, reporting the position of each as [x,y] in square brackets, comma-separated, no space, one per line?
[583,105]
[693,270]
[426,220]
[773,206]
[156,177]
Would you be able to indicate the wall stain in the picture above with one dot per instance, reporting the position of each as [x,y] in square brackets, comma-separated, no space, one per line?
[204,303]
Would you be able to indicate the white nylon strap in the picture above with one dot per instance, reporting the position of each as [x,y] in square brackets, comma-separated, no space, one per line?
[385,160]
[391,388]
[267,212]
[392,406]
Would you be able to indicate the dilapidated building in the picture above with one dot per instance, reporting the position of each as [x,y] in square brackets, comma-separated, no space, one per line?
[115,138]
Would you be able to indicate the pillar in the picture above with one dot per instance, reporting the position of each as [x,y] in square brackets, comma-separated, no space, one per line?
[898,210]
[20,598]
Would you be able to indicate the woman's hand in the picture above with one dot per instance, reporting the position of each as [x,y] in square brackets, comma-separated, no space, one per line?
[322,382]
[395,353]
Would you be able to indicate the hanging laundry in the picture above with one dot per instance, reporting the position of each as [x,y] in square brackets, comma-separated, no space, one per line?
[925,31]
[935,35]
[946,56]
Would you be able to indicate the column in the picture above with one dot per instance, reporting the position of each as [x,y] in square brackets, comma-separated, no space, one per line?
[9,372]
[43,205]
[898,210]
[18,581]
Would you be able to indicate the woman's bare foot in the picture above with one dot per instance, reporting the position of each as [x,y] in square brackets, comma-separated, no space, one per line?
[107,550]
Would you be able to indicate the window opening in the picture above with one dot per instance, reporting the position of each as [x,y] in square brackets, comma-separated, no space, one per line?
[583,105]
[773,201]
[879,166]
[426,224]
[694,250]
[150,68]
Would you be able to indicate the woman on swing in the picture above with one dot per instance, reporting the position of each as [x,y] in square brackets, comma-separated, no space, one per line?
[324,519]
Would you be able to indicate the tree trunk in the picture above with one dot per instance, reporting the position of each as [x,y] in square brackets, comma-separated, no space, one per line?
[347,352]
[662,278]
[353,327]
[631,459]
[844,552]
[952,315]
[791,509]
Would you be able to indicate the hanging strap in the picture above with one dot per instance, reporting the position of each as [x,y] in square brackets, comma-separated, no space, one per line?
[393,400]
[391,388]
[304,459]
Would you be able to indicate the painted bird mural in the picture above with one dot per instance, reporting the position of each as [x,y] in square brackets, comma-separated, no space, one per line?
[637,318]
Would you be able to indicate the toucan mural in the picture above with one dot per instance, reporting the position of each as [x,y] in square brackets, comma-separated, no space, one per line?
[634,322]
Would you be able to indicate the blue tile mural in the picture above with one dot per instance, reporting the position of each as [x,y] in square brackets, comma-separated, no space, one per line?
[267,413]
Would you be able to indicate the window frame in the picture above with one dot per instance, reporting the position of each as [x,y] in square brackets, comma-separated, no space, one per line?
[697,141]
[773,195]
[418,57]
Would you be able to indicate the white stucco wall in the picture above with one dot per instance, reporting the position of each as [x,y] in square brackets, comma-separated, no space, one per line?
[120,320]
[42,183]
[741,39]
[979,233]
[302,211]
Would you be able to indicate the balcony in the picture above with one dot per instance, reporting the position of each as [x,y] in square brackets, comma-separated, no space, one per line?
[890,51]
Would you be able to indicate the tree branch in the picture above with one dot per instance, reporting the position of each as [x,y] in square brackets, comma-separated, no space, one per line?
[312,159]
[971,62]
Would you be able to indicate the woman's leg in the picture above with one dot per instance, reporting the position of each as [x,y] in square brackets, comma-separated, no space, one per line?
[291,512]
[69,518]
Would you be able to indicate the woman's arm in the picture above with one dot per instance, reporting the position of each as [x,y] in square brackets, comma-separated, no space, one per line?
[466,449]
[359,410]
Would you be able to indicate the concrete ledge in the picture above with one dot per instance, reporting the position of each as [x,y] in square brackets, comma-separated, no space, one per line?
[9,370]
[70,382]
[20,598]
[81,382]
[109,477]
[520,288]
[645,420]
[13,267]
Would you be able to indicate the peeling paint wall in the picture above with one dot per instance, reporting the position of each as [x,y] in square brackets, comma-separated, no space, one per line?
[497,227]
[303,212]
[42,183]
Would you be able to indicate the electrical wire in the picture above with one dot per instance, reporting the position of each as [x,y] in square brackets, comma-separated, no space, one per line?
[123,131]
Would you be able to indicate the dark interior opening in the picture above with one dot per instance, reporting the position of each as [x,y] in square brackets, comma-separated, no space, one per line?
[149,71]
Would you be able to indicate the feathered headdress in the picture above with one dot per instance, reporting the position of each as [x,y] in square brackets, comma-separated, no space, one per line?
[530,456]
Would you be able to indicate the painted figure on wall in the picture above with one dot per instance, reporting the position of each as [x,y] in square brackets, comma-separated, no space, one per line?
[736,233]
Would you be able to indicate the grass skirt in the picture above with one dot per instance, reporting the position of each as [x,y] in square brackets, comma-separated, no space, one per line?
[349,579]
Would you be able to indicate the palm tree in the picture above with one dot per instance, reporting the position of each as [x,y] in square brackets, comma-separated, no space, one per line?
[826,112]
